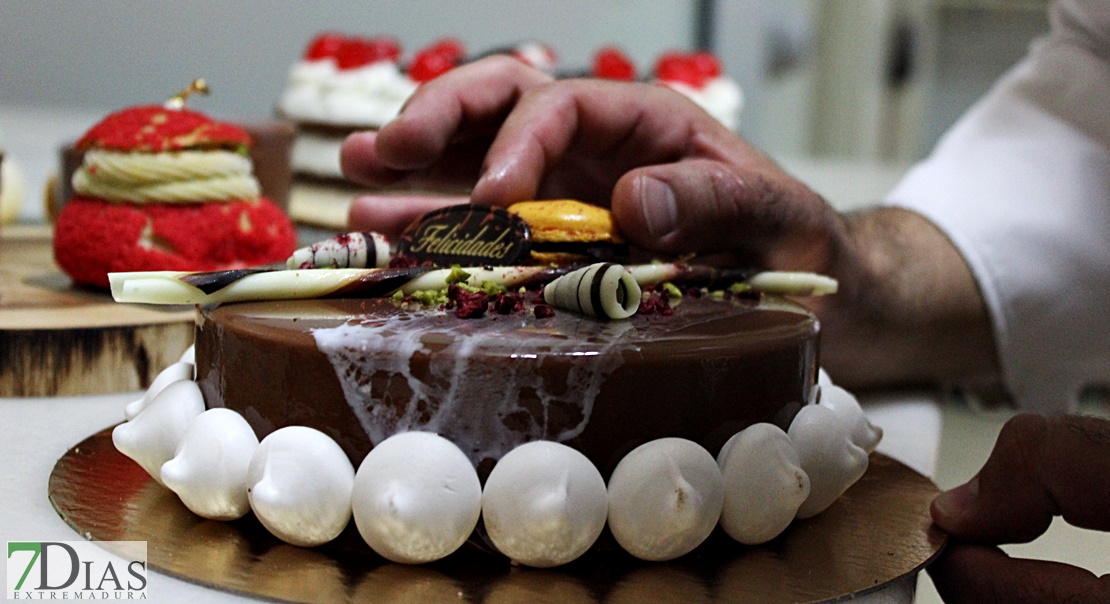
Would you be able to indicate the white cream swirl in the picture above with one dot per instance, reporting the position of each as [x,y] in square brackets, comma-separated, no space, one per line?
[175,177]
[368,96]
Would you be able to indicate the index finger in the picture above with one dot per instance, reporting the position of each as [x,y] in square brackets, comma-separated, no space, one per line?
[1040,467]
[589,130]
[463,103]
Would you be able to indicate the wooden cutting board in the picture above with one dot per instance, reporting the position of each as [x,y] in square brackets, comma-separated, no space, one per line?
[59,340]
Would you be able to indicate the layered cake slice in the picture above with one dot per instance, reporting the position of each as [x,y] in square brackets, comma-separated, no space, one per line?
[340,85]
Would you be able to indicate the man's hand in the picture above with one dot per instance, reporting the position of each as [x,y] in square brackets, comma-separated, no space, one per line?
[1041,467]
[676,180]
[679,183]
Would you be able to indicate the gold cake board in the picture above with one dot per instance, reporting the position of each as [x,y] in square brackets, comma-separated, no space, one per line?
[876,533]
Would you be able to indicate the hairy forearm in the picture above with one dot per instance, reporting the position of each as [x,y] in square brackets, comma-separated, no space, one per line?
[909,310]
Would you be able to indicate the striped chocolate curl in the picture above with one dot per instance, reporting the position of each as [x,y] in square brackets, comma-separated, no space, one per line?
[176,287]
[603,290]
[345,250]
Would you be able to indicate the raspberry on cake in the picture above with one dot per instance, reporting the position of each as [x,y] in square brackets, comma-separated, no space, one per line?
[611,63]
[166,188]
[699,76]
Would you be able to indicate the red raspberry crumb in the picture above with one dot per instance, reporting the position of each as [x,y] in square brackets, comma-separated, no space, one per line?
[467,305]
[504,304]
[543,311]
[655,303]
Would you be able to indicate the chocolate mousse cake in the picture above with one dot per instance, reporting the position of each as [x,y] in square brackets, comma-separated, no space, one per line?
[363,370]
[342,84]
[562,395]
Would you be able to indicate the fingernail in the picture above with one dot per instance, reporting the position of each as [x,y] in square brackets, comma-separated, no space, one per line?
[951,506]
[491,176]
[658,206]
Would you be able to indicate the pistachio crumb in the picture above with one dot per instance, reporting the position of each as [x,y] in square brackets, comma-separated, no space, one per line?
[457,275]
[672,290]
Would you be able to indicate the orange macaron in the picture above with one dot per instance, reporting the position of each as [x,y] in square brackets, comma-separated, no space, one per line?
[567,231]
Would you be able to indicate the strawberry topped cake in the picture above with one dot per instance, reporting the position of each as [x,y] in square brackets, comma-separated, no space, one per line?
[340,85]
[347,83]
[166,188]
[697,75]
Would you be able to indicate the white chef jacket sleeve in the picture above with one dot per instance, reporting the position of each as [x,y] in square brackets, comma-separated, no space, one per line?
[1021,186]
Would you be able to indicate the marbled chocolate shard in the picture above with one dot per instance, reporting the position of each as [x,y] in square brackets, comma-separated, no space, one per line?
[213,281]
[378,283]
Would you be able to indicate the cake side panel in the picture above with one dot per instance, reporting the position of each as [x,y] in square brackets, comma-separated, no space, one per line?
[705,400]
[275,374]
[273,379]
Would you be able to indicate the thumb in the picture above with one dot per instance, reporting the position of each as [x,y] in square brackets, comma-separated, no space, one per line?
[764,217]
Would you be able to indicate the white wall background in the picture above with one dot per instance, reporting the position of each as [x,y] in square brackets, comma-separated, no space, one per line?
[812,71]
[105,54]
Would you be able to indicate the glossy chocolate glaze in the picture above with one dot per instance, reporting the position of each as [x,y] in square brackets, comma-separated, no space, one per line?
[704,373]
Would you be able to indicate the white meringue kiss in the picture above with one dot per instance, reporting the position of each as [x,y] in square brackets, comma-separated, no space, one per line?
[152,437]
[209,471]
[416,498]
[300,485]
[850,415]
[764,483]
[174,373]
[823,378]
[665,498]
[827,454]
[190,355]
[544,504]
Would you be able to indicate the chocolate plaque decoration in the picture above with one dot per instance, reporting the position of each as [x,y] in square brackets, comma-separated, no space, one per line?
[467,235]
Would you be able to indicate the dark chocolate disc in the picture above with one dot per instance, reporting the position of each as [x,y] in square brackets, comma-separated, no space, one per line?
[468,235]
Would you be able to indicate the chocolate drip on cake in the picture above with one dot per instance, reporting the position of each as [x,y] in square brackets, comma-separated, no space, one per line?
[704,373]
